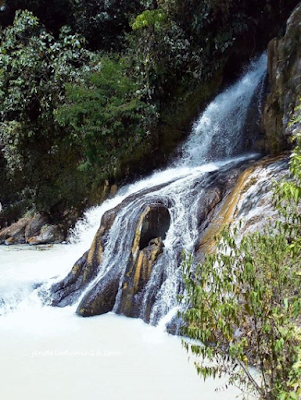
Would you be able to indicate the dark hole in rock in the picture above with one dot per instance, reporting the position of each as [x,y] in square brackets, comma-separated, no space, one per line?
[155,224]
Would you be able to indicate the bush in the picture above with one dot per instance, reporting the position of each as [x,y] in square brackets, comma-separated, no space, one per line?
[244,302]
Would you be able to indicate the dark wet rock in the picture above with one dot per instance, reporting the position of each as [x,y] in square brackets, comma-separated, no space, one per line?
[127,276]
[137,275]
[175,325]
[253,137]
[100,299]
[228,210]
[122,279]
[213,198]
[86,268]
[66,291]
[102,296]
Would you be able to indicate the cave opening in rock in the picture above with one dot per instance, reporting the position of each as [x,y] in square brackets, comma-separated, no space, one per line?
[155,224]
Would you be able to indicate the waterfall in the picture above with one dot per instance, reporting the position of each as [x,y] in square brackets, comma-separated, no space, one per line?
[219,131]
[191,189]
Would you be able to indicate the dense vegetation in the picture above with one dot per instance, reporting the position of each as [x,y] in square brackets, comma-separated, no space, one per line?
[95,91]
[245,305]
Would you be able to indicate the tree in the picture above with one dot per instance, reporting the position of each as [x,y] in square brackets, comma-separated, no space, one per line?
[105,114]
[52,14]
[245,302]
[34,69]
[103,23]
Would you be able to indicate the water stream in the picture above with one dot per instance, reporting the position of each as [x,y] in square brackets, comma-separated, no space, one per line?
[118,357]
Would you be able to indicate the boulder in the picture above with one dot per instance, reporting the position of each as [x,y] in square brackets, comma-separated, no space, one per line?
[48,234]
[100,299]
[34,226]
[14,234]
[85,269]
[33,230]
[65,292]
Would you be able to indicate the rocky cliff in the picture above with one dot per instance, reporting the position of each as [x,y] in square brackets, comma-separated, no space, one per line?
[284,72]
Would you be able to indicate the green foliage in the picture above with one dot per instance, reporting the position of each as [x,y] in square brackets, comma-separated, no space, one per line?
[53,13]
[149,18]
[243,307]
[245,301]
[105,113]
[177,47]
[34,68]
[294,382]
[103,23]
[180,45]
[288,193]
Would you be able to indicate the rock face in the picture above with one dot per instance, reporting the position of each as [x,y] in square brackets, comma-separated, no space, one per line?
[153,222]
[32,230]
[68,290]
[253,137]
[102,297]
[249,205]
[147,246]
[128,265]
[284,71]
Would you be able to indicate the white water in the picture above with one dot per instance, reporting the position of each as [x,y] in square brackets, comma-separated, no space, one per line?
[220,127]
[150,364]
[50,353]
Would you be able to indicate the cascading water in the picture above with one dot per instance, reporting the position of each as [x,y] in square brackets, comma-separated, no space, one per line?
[183,190]
[218,133]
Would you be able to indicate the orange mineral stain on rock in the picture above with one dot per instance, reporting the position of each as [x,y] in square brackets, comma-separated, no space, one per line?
[226,214]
